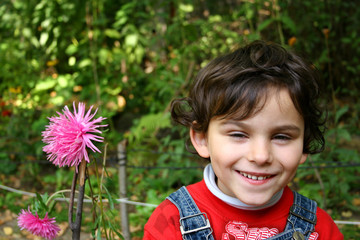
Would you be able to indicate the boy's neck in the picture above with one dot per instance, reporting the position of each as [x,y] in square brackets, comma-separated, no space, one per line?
[209,177]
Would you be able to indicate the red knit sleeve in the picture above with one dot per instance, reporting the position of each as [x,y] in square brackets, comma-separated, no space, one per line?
[163,223]
[326,227]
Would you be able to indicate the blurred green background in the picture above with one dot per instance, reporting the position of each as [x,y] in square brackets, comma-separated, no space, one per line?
[130,58]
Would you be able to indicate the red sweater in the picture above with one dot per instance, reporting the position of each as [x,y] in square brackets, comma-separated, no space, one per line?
[233,223]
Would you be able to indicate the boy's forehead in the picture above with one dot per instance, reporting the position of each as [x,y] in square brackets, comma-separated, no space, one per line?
[277,96]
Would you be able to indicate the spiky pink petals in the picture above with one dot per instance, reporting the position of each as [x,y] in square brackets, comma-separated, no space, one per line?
[45,227]
[69,134]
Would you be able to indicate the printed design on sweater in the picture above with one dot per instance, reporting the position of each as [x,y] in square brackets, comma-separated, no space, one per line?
[241,231]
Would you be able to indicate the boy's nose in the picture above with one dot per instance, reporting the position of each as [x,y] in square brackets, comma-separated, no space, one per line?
[260,152]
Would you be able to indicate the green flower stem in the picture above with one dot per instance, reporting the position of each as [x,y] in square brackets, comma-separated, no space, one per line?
[100,192]
[63,191]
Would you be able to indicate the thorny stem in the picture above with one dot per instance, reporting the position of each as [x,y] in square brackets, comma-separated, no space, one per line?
[76,226]
[71,203]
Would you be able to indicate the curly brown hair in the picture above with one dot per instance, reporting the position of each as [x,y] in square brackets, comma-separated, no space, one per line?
[235,86]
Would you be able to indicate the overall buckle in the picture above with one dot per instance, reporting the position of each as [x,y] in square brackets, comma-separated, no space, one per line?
[292,211]
[183,232]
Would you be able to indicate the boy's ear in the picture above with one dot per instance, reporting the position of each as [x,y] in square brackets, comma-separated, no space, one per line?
[198,140]
[303,158]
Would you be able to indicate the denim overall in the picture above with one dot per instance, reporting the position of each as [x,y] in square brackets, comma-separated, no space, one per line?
[195,225]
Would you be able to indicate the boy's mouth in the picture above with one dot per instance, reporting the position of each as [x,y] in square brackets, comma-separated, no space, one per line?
[253,177]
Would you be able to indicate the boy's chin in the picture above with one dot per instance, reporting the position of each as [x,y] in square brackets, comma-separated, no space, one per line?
[256,200]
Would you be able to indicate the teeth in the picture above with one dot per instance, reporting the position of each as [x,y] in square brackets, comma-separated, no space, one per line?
[254,177]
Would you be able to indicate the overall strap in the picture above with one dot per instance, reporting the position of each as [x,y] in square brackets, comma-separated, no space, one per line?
[194,225]
[302,216]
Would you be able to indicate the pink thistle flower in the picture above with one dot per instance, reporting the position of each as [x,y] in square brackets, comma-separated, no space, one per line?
[45,227]
[68,135]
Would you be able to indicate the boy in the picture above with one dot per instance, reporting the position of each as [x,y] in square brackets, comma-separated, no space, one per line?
[253,114]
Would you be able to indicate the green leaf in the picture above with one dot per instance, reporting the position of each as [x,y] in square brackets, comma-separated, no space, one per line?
[148,124]
[98,235]
[131,40]
[289,23]
[45,84]
[51,206]
[186,7]
[71,49]
[85,63]
[344,134]
[41,205]
[111,201]
[112,33]
[43,38]
[112,228]
[27,32]
[339,113]
[265,24]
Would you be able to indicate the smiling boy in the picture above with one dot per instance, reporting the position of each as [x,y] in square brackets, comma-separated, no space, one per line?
[256,157]
[253,114]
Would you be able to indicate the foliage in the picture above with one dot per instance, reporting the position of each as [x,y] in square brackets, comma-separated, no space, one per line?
[130,58]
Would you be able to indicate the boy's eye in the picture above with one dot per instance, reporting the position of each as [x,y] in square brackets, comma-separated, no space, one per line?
[282,137]
[237,135]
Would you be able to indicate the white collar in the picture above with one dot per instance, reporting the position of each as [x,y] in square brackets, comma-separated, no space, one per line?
[209,177]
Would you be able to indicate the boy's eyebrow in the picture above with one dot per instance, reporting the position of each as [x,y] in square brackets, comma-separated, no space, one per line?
[289,127]
[286,127]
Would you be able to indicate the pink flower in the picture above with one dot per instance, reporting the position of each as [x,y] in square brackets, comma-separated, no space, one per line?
[45,227]
[68,135]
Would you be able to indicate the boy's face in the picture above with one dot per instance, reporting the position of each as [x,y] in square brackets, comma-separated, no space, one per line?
[256,157]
